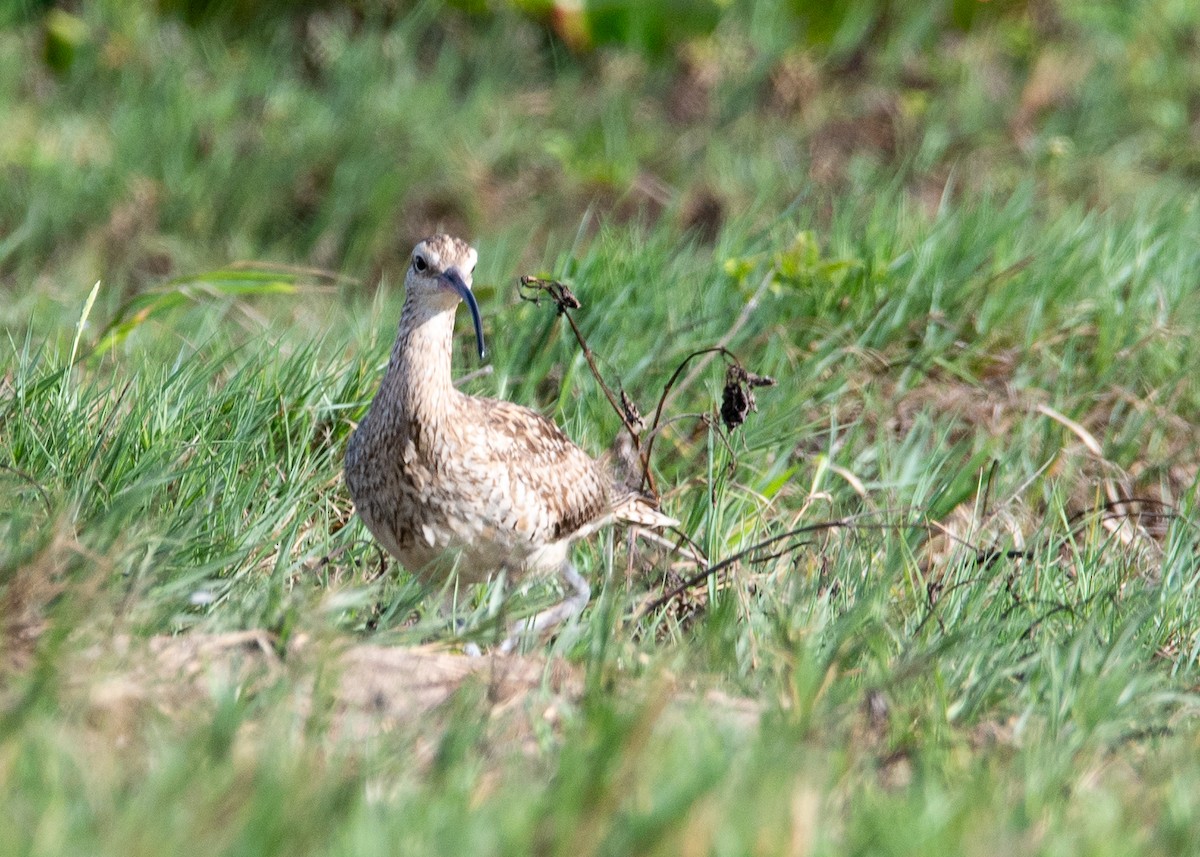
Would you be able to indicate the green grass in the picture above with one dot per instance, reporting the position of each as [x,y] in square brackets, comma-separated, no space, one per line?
[983,345]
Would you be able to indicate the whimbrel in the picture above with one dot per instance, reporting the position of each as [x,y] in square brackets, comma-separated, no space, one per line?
[439,476]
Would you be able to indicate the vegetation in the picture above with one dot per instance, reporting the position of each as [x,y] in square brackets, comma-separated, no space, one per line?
[955,549]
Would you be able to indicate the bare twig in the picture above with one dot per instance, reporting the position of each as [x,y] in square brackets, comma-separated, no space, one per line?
[684,546]
[734,330]
[662,401]
[566,300]
[33,482]
[717,567]
[737,400]
[984,557]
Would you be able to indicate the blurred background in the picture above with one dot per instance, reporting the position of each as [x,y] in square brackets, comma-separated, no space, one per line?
[145,141]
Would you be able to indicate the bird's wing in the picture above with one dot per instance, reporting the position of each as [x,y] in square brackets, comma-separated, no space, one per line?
[636,509]
[572,488]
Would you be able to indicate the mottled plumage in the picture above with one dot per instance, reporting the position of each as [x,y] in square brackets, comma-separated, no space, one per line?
[437,475]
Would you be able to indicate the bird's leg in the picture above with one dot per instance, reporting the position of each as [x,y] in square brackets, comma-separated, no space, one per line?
[570,606]
[493,610]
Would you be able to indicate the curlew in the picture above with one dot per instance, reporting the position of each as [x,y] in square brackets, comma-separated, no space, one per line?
[452,483]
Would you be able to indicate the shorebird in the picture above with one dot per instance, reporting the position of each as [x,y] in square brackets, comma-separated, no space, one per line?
[451,483]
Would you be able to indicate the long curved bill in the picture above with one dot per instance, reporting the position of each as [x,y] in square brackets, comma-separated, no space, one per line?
[455,281]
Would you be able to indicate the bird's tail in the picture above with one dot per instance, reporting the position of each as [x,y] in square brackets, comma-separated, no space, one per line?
[636,509]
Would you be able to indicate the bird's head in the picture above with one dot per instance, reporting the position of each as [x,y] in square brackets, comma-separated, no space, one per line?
[439,275]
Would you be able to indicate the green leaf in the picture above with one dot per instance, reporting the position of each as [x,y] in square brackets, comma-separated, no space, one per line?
[226,283]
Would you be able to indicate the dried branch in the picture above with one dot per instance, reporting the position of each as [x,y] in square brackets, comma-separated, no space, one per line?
[21,474]
[734,330]
[565,300]
[662,401]
[984,557]
[738,398]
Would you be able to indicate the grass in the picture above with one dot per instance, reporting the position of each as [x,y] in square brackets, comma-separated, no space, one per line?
[980,322]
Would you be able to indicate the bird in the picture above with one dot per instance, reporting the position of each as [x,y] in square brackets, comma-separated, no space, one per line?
[450,483]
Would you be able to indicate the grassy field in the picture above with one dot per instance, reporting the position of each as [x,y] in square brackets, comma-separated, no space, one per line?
[951,606]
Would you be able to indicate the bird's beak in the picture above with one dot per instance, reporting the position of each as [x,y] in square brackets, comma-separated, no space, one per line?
[454,280]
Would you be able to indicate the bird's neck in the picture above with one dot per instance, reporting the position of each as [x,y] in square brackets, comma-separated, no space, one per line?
[418,373]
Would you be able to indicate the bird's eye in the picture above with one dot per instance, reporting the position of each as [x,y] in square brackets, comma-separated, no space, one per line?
[419,264]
